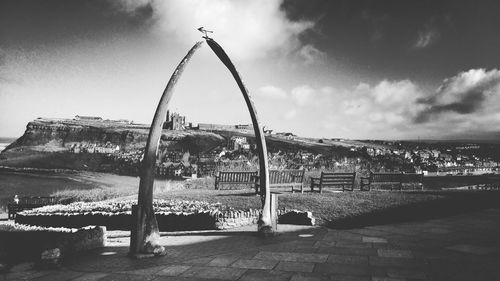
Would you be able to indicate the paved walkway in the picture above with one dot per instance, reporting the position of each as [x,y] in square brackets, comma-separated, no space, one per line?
[463,247]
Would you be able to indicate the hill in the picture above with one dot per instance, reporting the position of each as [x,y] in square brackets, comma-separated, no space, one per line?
[117,145]
[56,143]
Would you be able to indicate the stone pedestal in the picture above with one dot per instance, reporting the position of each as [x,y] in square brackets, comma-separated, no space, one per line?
[274,211]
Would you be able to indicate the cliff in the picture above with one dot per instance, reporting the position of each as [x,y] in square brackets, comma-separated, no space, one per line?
[59,143]
[59,134]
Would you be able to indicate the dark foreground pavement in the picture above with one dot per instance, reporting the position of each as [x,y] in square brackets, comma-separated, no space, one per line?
[463,247]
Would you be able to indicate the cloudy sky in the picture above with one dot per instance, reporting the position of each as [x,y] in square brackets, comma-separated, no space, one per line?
[356,69]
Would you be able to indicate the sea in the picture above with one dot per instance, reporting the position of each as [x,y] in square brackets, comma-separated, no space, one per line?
[4,142]
[3,145]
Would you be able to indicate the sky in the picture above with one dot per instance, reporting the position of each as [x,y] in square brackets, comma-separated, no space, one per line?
[357,69]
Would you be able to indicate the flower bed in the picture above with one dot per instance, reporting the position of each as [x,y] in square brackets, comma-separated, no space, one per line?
[24,242]
[172,215]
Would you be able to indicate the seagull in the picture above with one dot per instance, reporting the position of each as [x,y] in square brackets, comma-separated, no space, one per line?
[204,31]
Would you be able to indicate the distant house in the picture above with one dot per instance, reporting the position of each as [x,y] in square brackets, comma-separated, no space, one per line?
[87,118]
[244,127]
[237,143]
[286,135]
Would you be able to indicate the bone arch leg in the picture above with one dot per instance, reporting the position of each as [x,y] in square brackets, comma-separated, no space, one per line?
[144,238]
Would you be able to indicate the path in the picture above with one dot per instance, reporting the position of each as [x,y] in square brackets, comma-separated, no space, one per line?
[462,247]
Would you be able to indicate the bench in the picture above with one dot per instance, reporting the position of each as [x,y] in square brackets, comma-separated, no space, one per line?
[31,202]
[329,179]
[277,178]
[490,183]
[413,178]
[391,179]
[248,178]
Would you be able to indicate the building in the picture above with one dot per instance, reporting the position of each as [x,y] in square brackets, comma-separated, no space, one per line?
[87,118]
[174,121]
[215,127]
[239,143]
[244,127]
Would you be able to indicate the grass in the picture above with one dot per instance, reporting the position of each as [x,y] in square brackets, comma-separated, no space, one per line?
[336,210]
[326,207]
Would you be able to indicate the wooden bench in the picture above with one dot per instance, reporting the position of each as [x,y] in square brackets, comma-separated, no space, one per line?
[413,178]
[377,179]
[329,179]
[31,202]
[248,178]
[277,178]
[391,179]
[490,183]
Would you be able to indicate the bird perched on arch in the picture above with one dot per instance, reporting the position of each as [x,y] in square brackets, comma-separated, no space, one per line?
[205,32]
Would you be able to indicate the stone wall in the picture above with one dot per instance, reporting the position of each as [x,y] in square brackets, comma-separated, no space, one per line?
[47,246]
[232,219]
[84,239]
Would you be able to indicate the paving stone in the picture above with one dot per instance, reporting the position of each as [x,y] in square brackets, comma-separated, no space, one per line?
[27,275]
[224,273]
[298,257]
[324,243]
[305,250]
[394,245]
[345,269]
[93,276]
[406,273]
[309,277]
[305,243]
[223,260]
[254,264]
[342,236]
[173,270]
[349,244]
[348,251]
[199,261]
[58,275]
[346,259]
[125,277]
[144,271]
[177,278]
[473,249]
[265,275]
[390,253]
[295,266]
[349,278]
[398,262]
[367,239]
[384,278]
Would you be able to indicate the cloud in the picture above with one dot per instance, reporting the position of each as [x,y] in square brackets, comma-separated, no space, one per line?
[270,91]
[388,102]
[303,94]
[426,38]
[130,6]
[463,94]
[467,102]
[246,29]
[432,31]
[311,55]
